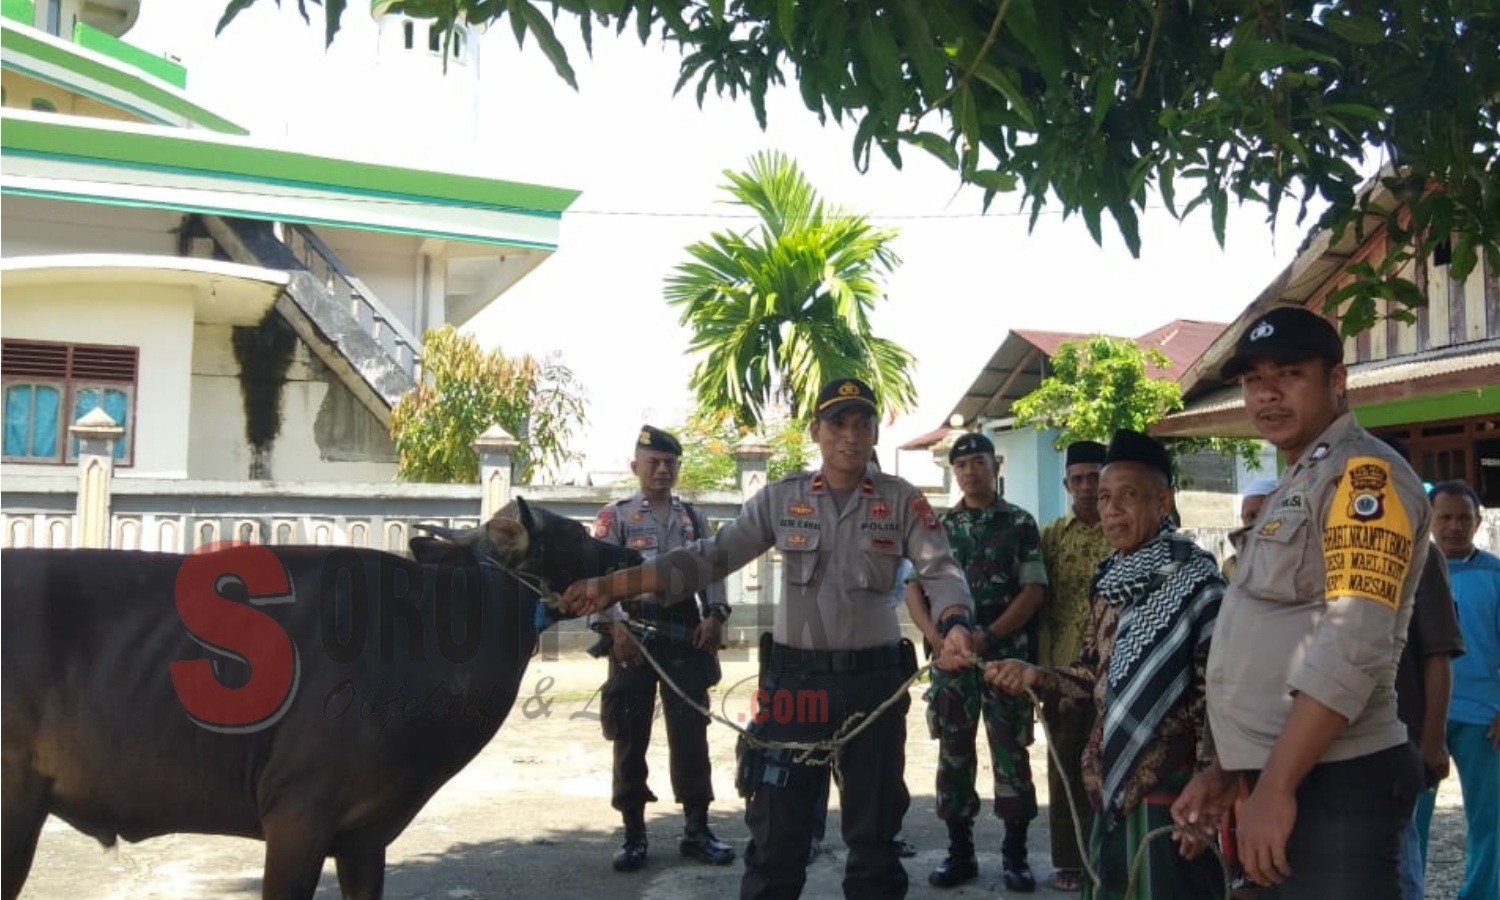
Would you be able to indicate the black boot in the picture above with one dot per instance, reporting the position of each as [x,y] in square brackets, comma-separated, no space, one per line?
[960,866]
[632,855]
[699,843]
[1017,873]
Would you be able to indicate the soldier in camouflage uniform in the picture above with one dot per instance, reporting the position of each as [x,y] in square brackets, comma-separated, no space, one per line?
[999,546]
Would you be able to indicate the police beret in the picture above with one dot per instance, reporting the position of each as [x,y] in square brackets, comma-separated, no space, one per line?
[1132,446]
[1286,334]
[843,394]
[970,444]
[1085,452]
[656,439]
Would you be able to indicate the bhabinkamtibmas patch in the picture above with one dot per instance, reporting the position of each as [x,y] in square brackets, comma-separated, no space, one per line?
[1367,542]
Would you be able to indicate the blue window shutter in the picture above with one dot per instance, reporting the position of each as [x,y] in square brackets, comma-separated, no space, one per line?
[17,419]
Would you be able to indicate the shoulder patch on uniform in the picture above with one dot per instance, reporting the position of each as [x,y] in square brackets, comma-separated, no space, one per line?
[923,511]
[1367,543]
[602,523]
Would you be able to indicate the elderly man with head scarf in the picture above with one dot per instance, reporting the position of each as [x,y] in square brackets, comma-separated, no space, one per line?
[1142,666]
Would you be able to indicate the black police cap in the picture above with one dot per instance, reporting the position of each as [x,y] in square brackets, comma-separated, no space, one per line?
[1286,334]
[1085,452]
[656,439]
[843,394]
[1132,446]
[970,444]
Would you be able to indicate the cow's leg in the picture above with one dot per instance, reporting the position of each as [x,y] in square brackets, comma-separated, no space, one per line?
[296,846]
[362,874]
[22,812]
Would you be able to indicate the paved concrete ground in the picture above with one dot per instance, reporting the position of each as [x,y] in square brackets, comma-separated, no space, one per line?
[530,818]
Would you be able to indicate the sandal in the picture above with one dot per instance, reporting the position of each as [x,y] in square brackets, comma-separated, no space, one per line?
[1067,880]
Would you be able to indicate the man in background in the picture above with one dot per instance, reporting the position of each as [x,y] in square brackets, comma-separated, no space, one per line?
[999,547]
[1072,548]
[653,521]
[1250,505]
[1474,713]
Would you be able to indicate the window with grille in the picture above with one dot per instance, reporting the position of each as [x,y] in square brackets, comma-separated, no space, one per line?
[49,386]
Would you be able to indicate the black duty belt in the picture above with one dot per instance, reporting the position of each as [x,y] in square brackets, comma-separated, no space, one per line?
[823,662]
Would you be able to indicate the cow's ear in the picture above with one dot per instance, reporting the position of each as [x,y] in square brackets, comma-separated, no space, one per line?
[526,518]
[508,538]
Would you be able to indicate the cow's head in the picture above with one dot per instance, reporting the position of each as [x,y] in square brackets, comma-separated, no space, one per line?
[533,540]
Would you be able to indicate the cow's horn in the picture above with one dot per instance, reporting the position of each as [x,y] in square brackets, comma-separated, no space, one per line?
[441,531]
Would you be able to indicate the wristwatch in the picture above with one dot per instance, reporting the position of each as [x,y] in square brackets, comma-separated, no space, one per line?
[720,612]
[947,625]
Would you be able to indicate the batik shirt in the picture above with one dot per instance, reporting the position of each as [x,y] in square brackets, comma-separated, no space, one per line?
[1000,550]
[1176,749]
[1072,549]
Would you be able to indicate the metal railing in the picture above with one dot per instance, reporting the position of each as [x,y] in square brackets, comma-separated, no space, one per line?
[373,316]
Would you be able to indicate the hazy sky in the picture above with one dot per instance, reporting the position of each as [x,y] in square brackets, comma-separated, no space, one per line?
[649,167]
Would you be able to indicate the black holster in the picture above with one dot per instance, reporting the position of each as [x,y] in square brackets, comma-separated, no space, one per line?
[751,761]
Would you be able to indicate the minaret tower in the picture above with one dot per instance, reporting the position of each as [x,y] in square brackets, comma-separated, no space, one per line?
[415,55]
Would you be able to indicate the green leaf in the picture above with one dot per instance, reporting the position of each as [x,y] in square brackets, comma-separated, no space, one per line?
[935,144]
[1002,82]
[1219,206]
[993,180]
[1262,56]
[333,11]
[1356,28]
[1356,110]
[541,29]
[231,10]
[786,21]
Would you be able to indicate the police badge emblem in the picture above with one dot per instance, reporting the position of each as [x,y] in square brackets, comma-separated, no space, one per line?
[1367,497]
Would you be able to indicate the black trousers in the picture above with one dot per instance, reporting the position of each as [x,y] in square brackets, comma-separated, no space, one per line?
[628,712]
[873,788]
[1346,842]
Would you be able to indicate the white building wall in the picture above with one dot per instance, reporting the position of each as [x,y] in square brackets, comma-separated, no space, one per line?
[34,226]
[219,447]
[156,319]
[1032,471]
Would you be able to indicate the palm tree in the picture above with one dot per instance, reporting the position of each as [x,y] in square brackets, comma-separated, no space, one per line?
[781,309]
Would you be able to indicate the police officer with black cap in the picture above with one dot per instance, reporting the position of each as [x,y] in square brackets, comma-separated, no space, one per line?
[1302,672]
[653,521]
[836,649]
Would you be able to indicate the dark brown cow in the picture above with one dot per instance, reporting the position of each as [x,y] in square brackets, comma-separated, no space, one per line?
[143,695]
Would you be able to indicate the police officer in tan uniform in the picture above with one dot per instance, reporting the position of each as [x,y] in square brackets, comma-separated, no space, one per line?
[836,647]
[653,521]
[1301,674]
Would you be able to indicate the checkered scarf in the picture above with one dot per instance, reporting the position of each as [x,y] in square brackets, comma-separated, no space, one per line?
[1169,590]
